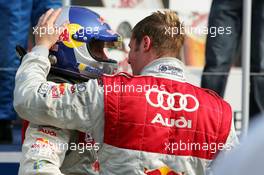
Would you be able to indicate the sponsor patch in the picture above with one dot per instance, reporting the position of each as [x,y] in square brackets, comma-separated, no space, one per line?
[58,90]
[42,140]
[73,89]
[54,92]
[81,87]
[41,143]
[169,69]
[44,89]
[39,164]
[47,131]
[62,88]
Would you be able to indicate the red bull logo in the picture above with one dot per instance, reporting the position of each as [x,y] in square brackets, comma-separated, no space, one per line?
[65,36]
[42,140]
[165,170]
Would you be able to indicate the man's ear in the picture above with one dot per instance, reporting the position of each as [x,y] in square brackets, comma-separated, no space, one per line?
[147,43]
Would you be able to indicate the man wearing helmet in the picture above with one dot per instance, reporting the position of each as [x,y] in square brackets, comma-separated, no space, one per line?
[167,126]
[51,150]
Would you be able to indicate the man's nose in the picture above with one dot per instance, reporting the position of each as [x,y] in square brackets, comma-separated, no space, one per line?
[128,60]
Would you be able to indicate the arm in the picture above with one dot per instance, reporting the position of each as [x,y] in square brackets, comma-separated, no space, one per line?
[232,140]
[43,150]
[42,102]
[231,143]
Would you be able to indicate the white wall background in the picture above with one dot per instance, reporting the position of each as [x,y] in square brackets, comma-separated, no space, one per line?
[202,6]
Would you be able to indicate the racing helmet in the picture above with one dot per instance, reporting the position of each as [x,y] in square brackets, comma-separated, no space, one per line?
[80,50]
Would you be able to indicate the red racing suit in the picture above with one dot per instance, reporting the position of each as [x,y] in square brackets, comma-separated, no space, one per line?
[167,124]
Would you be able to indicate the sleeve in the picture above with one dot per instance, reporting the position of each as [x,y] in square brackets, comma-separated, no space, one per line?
[232,139]
[63,105]
[231,143]
[43,150]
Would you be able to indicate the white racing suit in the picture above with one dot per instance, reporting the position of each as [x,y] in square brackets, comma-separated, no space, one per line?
[130,129]
[54,151]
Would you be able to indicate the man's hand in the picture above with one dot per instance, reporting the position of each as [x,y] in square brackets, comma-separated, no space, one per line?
[48,33]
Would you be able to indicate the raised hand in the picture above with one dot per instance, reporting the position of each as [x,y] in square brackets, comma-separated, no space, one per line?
[46,32]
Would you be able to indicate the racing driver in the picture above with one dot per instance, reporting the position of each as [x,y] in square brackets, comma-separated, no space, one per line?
[53,151]
[153,121]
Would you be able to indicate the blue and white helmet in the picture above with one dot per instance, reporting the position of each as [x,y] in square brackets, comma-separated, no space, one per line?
[79,52]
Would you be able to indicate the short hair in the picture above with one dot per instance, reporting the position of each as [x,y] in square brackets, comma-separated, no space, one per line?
[165,30]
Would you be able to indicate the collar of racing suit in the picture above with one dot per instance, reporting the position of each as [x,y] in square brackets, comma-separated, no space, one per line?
[166,67]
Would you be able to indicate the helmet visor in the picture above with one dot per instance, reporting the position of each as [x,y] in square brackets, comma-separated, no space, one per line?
[99,50]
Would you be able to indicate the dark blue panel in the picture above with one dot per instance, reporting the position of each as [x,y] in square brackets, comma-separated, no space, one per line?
[9,168]
[93,25]
[66,58]
[16,145]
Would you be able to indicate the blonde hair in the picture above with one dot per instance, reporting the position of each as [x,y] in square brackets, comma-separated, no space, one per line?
[161,27]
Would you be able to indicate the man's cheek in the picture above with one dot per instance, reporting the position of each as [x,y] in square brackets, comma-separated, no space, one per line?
[131,59]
